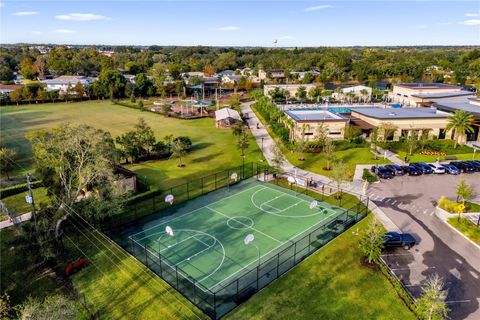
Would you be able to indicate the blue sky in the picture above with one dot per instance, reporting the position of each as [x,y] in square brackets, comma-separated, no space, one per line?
[241,23]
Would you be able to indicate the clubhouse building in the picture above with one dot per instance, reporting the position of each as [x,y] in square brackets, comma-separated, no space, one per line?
[421,94]
[306,122]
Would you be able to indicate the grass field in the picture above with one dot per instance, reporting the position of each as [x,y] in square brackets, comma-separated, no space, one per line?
[213,149]
[466,227]
[331,284]
[116,286]
[429,158]
[17,205]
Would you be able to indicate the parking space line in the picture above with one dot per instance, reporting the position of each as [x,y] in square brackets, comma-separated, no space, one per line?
[400,269]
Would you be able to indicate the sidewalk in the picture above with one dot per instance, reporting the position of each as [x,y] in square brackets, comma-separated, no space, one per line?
[16,220]
[264,139]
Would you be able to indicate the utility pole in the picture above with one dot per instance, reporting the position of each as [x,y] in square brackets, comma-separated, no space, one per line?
[30,199]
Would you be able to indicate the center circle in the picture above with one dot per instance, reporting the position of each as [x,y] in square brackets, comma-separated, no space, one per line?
[240,223]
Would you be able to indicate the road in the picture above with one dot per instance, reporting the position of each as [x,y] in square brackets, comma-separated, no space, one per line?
[409,202]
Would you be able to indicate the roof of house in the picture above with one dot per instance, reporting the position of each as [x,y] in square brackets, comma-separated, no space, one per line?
[356,89]
[233,77]
[462,103]
[313,115]
[226,113]
[421,86]
[400,113]
[226,73]
[68,80]
[10,87]
[439,95]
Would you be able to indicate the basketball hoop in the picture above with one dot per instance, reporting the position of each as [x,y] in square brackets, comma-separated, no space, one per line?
[249,238]
[169,198]
[291,180]
[234,176]
[313,204]
[169,230]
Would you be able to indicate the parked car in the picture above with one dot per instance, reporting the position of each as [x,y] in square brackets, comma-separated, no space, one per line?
[383,173]
[451,169]
[412,171]
[395,169]
[437,168]
[463,167]
[425,168]
[76,266]
[474,164]
[395,239]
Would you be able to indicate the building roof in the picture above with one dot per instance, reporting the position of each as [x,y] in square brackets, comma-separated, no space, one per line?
[400,113]
[356,89]
[314,115]
[423,86]
[226,113]
[463,103]
[68,80]
[439,95]
[10,87]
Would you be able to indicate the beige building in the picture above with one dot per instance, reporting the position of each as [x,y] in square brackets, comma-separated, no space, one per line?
[403,121]
[421,94]
[290,88]
[309,121]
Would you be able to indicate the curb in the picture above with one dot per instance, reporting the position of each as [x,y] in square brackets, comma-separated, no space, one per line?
[440,214]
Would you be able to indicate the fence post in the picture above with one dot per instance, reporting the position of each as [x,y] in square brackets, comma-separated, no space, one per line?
[202,185]
[215,181]
[176,274]
[146,257]
[188,191]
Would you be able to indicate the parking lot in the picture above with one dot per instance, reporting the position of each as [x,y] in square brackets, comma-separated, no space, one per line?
[409,201]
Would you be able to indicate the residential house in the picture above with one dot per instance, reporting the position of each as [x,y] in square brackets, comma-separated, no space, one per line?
[421,94]
[62,83]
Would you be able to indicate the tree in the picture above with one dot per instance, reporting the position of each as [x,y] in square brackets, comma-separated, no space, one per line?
[329,151]
[7,160]
[412,141]
[374,141]
[365,94]
[209,70]
[315,93]
[461,122]
[351,132]
[110,83]
[42,95]
[130,146]
[234,102]
[143,85]
[371,242]
[340,175]
[302,145]
[243,142]
[26,69]
[238,128]
[53,307]
[321,133]
[431,305]
[179,150]
[140,105]
[70,159]
[387,130]
[278,159]
[79,90]
[301,93]
[464,193]
[145,135]
[16,95]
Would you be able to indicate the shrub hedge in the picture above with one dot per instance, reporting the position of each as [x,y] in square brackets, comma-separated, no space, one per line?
[18,188]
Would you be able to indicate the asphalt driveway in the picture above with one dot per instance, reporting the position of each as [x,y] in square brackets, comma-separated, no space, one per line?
[410,203]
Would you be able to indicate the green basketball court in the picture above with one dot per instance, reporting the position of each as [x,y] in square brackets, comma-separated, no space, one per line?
[207,244]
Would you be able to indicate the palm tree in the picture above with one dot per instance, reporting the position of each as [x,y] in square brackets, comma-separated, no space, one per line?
[461,122]
[365,94]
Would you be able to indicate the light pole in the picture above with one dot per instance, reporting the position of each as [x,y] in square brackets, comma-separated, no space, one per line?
[262,144]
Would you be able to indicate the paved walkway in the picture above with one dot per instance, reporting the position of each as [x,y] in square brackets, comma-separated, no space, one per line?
[8,223]
[265,141]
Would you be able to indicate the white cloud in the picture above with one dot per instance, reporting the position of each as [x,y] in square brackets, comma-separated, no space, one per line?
[448,23]
[25,13]
[471,22]
[81,17]
[472,14]
[420,26]
[66,31]
[316,8]
[228,28]
[286,38]
[37,32]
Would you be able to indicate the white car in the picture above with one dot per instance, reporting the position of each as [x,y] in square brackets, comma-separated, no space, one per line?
[437,168]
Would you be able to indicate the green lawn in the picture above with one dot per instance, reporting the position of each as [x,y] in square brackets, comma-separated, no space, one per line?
[17,205]
[213,149]
[466,227]
[330,284]
[116,286]
[316,162]
[21,276]
[428,158]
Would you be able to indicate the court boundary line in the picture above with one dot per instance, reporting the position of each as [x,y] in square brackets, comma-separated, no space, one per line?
[190,212]
[256,260]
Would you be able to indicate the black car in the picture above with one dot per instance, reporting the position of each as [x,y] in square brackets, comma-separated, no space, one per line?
[474,164]
[395,169]
[425,168]
[463,167]
[411,171]
[395,239]
[383,173]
